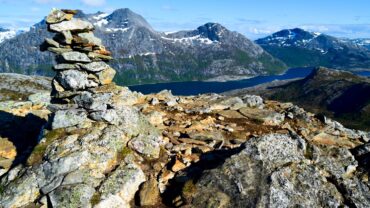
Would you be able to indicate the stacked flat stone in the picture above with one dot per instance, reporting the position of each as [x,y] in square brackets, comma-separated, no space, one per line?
[81,69]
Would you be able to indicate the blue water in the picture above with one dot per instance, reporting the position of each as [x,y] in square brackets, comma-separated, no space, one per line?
[198,87]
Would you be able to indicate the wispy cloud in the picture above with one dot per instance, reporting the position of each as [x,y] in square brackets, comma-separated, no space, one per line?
[94,2]
[47,1]
[168,8]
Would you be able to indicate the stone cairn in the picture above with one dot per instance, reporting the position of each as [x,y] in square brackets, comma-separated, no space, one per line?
[82,73]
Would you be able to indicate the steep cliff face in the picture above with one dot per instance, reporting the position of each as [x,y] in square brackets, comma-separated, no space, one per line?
[215,150]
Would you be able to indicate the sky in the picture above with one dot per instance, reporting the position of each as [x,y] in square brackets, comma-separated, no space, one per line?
[253,18]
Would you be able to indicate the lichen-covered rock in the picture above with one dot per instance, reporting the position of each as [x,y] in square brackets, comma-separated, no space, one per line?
[68,118]
[148,145]
[20,192]
[120,188]
[75,80]
[253,101]
[270,171]
[78,195]
[42,98]
[93,102]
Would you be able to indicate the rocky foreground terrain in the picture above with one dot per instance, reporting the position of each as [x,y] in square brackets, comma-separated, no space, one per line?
[337,94]
[173,151]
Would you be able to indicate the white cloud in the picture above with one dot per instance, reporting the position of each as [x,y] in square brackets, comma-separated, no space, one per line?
[94,2]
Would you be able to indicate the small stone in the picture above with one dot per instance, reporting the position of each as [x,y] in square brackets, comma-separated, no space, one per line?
[7,149]
[61,67]
[95,66]
[93,102]
[52,42]
[56,86]
[56,16]
[109,116]
[106,76]
[154,101]
[74,56]
[171,103]
[178,166]
[72,25]
[74,80]
[67,37]
[149,193]
[176,134]
[89,38]
[59,50]
[253,101]
[70,11]
[99,56]
[148,145]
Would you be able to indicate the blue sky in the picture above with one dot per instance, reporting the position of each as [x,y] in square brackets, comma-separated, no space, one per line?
[253,18]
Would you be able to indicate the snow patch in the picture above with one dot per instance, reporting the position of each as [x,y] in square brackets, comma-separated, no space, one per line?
[101,22]
[100,16]
[117,29]
[191,40]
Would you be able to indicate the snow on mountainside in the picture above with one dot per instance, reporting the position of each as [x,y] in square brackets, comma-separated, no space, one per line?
[304,39]
[365,42]
[300,48]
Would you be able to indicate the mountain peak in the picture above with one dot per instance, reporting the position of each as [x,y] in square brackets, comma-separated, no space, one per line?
[211,30]
[124,17]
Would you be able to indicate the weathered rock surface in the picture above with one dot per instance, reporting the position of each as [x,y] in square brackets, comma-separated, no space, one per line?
[72,25]
[272,171]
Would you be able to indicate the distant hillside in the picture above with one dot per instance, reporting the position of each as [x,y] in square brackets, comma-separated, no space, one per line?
[143,55]
[338,94]
[299,48]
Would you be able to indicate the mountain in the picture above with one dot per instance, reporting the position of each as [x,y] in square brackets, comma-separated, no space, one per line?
[337,94]
[6,34]
[190,151]
[144,55]
[365,42]
[300,48]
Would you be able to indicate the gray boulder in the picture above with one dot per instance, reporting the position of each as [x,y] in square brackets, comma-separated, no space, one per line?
[95,66]
[75,80]
[253,101]
[68,118]
[74,56]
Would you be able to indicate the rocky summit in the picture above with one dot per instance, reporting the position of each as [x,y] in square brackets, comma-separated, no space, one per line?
[92,143]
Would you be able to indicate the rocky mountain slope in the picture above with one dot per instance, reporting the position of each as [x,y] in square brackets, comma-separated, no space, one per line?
[300,48]
[143,55]
[170,151]
[338,94]
[365,42]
